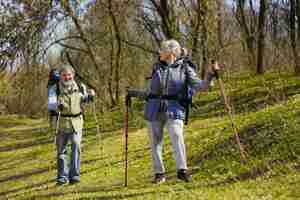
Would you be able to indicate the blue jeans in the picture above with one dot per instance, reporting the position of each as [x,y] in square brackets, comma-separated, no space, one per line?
[65,172]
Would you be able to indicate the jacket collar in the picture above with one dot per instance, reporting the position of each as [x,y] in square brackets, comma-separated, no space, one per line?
[70,89]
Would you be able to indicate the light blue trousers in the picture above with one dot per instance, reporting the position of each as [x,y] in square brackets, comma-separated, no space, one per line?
[67,171]
[175,130]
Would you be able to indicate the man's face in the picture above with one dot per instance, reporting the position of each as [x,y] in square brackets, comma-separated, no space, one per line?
[66,75]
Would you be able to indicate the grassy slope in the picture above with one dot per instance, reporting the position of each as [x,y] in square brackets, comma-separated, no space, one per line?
[267,115]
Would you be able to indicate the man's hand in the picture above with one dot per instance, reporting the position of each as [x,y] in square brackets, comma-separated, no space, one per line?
[60,107]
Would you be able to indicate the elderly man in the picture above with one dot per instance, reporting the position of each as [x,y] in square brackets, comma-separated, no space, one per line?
[70,96]
[171,78]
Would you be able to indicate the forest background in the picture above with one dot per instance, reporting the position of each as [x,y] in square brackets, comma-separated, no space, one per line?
[113,43]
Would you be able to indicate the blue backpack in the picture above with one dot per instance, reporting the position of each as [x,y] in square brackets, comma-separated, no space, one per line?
[52,86]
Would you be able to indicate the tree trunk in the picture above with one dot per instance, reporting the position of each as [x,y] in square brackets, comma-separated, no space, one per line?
[247,32]
[298,17]
[220,7]
[204,39]
[119,48]
[111,74]
[261,37]
[196,24]
[293,36]
[167,13]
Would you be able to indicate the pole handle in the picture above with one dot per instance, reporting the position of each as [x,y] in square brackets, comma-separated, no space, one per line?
[216,74]
[128,101]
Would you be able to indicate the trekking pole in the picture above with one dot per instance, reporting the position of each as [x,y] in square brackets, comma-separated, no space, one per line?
[127,103]
[229,112]
[57,127]
[55,134]
[101,141]
[97,126]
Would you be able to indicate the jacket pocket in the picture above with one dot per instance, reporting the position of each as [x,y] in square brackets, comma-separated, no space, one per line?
[152,109]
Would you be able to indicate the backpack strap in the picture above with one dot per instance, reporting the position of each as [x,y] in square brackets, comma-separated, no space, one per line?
[187,100]
[82,91]
[57,89]
[80,87]
[188,62]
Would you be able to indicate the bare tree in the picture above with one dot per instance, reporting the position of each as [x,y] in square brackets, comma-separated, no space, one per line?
[293,33]
[248,28]
[261,37]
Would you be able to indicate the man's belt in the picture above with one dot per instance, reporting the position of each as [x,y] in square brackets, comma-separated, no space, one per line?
[164,97]
[53,113]
[71,115]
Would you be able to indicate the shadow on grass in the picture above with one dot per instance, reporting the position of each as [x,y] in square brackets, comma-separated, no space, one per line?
[118,188]
[14,163]
[24,145]
[119,196]
[251,174]
[24,175]
[25,188]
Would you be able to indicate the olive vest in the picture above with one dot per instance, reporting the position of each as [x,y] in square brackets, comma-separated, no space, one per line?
[70,119]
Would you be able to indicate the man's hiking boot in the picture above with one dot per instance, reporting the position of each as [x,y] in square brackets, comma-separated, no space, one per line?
[159,178]
[183,174]
[61,182]
[74,181]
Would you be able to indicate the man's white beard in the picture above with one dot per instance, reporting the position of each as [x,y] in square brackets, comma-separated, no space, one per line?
[68,83]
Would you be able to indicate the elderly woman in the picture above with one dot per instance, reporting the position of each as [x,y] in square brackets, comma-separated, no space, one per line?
[164,107]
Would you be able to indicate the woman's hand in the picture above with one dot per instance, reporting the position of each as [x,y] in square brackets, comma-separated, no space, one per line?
[91,92]
[215,66]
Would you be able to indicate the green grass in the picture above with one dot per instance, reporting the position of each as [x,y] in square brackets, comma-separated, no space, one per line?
[267,115]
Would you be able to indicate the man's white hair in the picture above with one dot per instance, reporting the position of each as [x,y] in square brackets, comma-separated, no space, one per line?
[171,46]
[67,68]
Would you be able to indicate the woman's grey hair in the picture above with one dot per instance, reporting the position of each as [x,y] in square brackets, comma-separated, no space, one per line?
[67,68]
[171,46]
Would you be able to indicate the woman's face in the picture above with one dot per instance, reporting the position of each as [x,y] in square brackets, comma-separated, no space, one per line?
[164,55]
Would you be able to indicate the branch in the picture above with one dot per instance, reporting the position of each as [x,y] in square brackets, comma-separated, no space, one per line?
[73,48]
[139,47]
[77,74]
[79,28]
[59,42]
